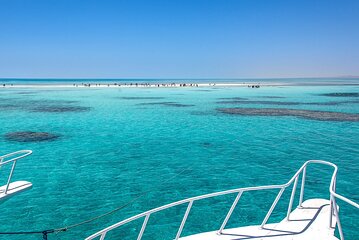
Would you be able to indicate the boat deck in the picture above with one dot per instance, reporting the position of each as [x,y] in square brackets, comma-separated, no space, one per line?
[309,222]
[315,219]
[14,188]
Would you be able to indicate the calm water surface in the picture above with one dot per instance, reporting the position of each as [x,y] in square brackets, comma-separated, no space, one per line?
[122,142]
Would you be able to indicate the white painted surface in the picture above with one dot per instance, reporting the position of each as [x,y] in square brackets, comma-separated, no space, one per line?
[14,188]
[307,223]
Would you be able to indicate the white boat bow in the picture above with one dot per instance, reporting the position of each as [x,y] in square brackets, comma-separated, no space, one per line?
[314,219]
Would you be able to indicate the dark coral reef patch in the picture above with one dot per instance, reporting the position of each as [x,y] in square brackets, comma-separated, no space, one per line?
[27,93]
[341,94]
[279,103]
[46,105]
[60,109]
[29,136]
[50,101]
[258,102]
[307,114]
[169,104]
[8,106]
[271,97]
[233,99]
[140,98]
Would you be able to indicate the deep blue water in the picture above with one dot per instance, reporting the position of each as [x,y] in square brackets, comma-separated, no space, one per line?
[121,146]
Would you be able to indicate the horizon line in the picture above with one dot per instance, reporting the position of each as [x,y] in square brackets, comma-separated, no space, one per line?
[164,78]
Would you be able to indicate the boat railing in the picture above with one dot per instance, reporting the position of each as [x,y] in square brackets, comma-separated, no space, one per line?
[239,191]
[12,158]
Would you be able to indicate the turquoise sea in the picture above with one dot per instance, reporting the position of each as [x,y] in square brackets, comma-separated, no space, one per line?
[115,144]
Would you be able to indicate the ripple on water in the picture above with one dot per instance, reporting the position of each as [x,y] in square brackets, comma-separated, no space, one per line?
[203,90]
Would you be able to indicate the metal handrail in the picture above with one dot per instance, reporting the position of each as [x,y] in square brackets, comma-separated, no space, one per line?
[18,155]
[240,191]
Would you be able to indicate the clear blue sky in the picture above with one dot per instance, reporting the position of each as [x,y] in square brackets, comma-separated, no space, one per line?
[178,38]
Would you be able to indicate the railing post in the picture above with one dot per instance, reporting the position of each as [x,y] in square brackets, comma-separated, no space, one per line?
[338,220]
[302,187]
[331,211]
[292,198]
[234,204]
[143,227]
[103,236]
[272,207]
[10,176]
[184,220]
[331,204]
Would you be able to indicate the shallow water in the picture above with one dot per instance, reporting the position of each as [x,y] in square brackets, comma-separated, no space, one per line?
[123,145]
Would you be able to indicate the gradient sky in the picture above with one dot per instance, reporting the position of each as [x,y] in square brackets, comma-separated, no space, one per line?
[178,38]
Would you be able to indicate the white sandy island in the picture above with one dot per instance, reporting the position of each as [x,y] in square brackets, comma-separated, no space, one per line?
[137,85]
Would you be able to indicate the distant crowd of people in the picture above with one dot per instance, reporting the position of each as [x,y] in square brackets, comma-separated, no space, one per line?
[140,84]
